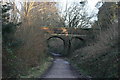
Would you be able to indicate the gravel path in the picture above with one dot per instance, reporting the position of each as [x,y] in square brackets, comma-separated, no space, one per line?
[60,69]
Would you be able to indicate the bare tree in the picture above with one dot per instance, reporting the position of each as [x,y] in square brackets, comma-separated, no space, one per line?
[76,15]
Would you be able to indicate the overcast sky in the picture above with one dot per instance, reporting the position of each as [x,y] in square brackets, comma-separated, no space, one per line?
[62,4]
[90,5]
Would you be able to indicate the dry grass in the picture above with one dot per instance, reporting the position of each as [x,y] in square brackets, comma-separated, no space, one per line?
[32,51]
[99,59]
[106,40]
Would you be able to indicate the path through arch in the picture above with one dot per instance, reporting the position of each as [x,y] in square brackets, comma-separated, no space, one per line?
[56,44]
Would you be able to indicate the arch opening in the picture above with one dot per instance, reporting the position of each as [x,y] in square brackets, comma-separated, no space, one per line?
[76,43]
[56,45]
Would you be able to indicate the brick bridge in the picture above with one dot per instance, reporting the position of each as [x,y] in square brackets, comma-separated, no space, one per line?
[67,34]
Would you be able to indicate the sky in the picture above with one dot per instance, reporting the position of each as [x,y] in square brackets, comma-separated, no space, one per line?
[91,5]
[62,4]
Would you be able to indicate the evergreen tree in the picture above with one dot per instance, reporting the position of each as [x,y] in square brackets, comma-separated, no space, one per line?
[8,41]
[107,15]
[8,27]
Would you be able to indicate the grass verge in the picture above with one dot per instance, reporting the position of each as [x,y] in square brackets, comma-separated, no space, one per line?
[36,72]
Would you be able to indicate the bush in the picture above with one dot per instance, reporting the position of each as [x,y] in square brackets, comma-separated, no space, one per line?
[24,46]
[100,59]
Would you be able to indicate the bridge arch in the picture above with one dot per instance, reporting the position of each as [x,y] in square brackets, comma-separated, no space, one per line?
[64,42]
[81,39]
[56,37]
[72,39]
[67,43]
[77,38]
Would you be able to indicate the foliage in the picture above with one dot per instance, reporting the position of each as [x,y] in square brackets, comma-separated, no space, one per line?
[8,30]
[38,71]
[7,26]
[42,14]
[56,45]
[93,58]
[107,15]
[99,59]
[24,45]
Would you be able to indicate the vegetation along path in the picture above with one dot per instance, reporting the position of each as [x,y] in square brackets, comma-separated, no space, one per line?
[61,69]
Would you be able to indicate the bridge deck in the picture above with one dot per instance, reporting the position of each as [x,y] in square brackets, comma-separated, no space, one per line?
[74,35]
